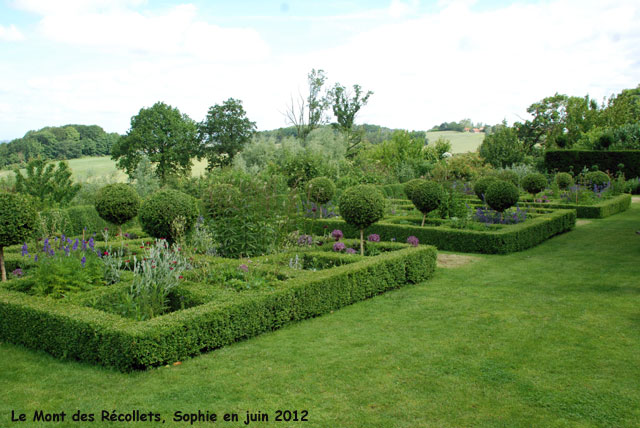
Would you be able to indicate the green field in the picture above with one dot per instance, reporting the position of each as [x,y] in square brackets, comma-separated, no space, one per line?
[547,337]
[461,142]
[103,169]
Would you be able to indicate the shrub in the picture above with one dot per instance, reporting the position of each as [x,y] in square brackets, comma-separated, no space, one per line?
[534,183]
[510,176]
[321,190]
[117,203]
[410,185]
[17,223]
[564,180]
[426,196]
[220,200]
[480,186]
[501,195]
[159,213]
[576,160]
[598,178]
[361,206]
[502,147]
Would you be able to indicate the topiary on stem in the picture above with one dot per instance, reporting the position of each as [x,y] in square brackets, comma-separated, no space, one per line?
[534,183]
[161,211]
[220,200]
[564,180]
[501,195]
[17,223]
[320,190]
[598,178]
[410,185]
[117,203]
[480,186]
[361,206]
[426,197]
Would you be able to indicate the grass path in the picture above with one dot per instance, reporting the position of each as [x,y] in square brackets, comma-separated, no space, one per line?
[549,337]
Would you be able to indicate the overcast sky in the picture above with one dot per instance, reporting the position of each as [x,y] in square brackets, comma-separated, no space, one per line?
[100,61]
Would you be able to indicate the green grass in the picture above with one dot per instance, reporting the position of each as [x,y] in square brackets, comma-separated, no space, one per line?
[547,337]
[103,168]
[461,142]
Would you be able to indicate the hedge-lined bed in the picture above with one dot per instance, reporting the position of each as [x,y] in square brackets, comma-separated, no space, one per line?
[606,208]
[508,239]
[71,330]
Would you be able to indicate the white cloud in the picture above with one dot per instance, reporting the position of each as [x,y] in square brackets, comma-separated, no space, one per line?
[10,34]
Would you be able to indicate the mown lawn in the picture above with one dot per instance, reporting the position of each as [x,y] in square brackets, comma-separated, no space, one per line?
[548,337]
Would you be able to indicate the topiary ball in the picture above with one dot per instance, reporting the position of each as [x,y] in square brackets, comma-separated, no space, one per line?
[510,176]
[362,205]
[480,186]
[17,219]
[426,196]
[501,195]
[117,203]
[534,183]
[410,185]
[220,200]
[598,178]
[564,180]
[160,210]
[321,190]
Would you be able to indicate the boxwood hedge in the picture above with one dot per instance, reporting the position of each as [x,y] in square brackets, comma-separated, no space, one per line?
[603,209]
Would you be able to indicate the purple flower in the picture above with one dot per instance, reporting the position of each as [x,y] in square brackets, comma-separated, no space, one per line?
[35,258]
[351,251]
[305,240]
[83,260]
[18,273]
[67,250]
[339,246]
[75,244]
[243,268]
[393,239]
[25,251]
[373,238]
[413,241]
[84,245]
[92,243]
[337,234]
[51,252]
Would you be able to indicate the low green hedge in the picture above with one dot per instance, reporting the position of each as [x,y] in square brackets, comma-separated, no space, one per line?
[576,160]
[509,239]
[393,191]
[76,332]
[71,221]
[603,209]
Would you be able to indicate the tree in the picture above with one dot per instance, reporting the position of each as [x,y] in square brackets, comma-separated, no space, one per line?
[502,148]
[548,123]
[166,136]
[345,108]
[51,185]
[17,222]
[308,114]
[225,131]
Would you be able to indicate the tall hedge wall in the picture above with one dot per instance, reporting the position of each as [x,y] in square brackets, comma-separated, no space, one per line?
[562,160]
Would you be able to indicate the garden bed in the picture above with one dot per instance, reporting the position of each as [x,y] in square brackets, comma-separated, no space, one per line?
[605,208]
[205,314]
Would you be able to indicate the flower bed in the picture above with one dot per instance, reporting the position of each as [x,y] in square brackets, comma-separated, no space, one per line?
[207,309]
[601,209]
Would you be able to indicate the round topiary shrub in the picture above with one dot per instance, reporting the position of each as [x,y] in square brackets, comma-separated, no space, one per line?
[510,176]
[321,190]
[361,206]
[426,197]
[480,186]
[534,183]
[117,203]
[220,200]
[168,213]
[410,185]
[501,195]
[598,178]
[564,180]
[17,222]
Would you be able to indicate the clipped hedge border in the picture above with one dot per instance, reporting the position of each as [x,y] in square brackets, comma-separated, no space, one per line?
[86,334]
[576,160]
[509,239]
[606,208]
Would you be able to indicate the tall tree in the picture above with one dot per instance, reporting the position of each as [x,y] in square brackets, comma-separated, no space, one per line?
[306,114]
[49,184]
[224,132]
[345,108]
[167,137]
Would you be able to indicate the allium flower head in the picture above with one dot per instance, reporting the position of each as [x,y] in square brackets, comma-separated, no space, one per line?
[339,246]
[351,251]
[413,241]
[337,234]
[243,268]
[373,238]
[18,273]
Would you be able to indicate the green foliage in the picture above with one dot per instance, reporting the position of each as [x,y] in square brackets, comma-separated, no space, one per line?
[117,203]
[453,203]
[362,205]
[320,190]
[426,195]
[534,183]
[509,175]
[502,148]
[224,132]
[144,178]
[602,209]
[410,186]
[481,185]
[345,108]
[167,137]
[17,219]
[577,160]
[564,180]
[161,210]
[221,200]
[501,195]
[50,185]
[398,150]
[597,177]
